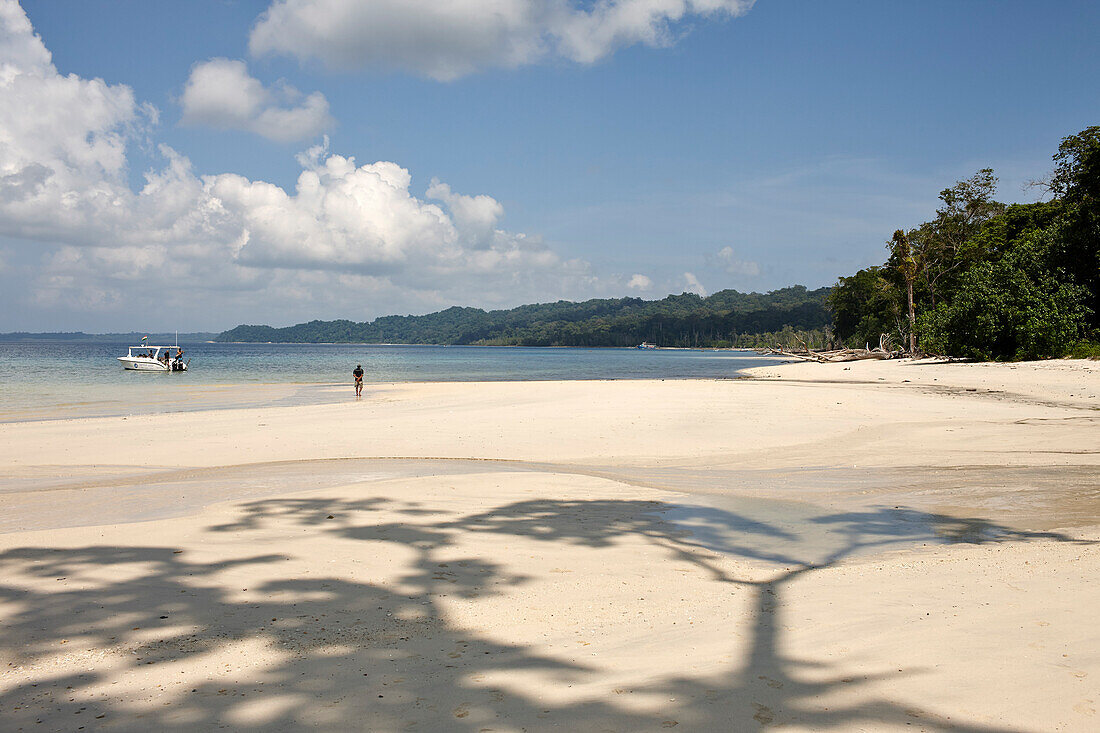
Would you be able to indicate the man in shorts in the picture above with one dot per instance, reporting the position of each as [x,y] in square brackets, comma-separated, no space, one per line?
[358,374]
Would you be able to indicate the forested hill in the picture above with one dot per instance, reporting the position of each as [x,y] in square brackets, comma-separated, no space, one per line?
[727,318]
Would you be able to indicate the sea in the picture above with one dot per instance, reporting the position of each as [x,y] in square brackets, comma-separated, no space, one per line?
[44,380]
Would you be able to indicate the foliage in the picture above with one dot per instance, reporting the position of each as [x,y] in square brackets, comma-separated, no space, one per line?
[909,265]
[1084,350]
[865,306]
[1014,307]
[992,281]
[1077,168]
[944,245]
[686,320]
[788,338]
[1076,181]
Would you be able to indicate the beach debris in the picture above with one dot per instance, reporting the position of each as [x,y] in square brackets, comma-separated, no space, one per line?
[884,350]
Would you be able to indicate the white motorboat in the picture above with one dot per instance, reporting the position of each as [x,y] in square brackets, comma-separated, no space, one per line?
[150,359]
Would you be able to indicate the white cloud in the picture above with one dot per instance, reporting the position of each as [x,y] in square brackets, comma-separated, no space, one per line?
[692,285]
[345,233]
[476,215]
[221,93]
[639,282]
[22,48]
[446,40]
[62,138]
[726,260]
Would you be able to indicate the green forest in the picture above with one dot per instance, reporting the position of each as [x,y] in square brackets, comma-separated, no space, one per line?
[985,280]
[725,319]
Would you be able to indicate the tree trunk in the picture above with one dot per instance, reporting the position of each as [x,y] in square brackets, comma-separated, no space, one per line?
[912,322]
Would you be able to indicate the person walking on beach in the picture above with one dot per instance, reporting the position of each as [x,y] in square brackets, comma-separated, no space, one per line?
[358,374]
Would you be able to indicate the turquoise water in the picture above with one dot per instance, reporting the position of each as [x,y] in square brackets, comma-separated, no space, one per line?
[69,379]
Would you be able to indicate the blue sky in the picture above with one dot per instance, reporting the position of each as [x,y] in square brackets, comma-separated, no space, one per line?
[579,149]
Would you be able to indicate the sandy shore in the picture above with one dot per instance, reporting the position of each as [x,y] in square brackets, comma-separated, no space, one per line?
[873,546]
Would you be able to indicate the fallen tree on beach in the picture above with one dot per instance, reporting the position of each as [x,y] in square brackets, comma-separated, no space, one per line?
[884,350]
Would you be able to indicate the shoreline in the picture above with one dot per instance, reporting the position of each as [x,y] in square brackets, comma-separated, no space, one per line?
[982,380]
[812,547]
[89,387]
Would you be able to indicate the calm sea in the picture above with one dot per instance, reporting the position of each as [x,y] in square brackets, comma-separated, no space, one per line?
[69,379]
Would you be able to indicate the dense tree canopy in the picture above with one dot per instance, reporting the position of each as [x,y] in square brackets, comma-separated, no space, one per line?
[866,305]
[989,280]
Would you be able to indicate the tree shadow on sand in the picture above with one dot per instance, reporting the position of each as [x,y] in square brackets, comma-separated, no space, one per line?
[360,656]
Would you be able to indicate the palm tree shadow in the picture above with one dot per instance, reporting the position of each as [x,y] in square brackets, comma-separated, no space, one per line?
[340,654]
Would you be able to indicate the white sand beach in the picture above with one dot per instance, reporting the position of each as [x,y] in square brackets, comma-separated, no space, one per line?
[871,546]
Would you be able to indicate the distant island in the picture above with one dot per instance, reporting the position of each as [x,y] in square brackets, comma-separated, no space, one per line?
[132,336]
[724,320]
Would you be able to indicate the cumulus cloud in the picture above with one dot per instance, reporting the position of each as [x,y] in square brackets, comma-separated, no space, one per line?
[692,285]
[22,47]
[475,215]
[639,282]
[726,260]
[221,93]
[446,40]
[345,230]
[62,138]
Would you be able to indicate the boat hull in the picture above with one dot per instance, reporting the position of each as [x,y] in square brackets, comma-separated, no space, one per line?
[145,364]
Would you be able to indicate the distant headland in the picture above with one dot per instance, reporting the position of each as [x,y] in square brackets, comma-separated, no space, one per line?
[725,319]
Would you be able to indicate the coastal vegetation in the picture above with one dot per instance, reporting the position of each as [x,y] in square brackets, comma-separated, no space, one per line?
[987,280]
[725,319]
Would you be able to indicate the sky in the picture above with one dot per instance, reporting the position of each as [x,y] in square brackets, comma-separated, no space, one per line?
[193,166]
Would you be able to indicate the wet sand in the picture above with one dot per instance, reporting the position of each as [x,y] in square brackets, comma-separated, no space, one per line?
[163,398]
[882,547]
